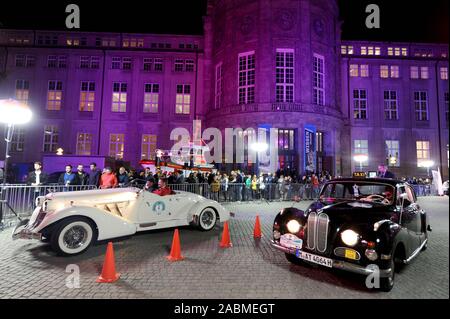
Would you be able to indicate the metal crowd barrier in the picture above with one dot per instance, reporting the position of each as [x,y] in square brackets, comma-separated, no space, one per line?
[239,192]
[20,199]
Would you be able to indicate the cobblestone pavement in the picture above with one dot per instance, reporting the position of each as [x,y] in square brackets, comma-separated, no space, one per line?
[250,269]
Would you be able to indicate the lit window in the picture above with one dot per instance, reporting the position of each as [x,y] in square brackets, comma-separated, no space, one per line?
[390,51]
[54,95]
[377,51]
[119,97]
[414,72]
[343,49]
[354,71]
[151,98]
[364,70]
[423,152]
[444,73]
[370,50]
[424,73]
[116,146]
[393,153]
[183,99]
[22,91]
[87,96]
[404,51]
[384,71]
[397,51]
[84,144]
[284,75]
[395,71]
[363,50]
[350,49]
[148,147]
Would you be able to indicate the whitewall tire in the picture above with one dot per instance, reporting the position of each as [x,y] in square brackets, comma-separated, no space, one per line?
[207,219]
[73,236]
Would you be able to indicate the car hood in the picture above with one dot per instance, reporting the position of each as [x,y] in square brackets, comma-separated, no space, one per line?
[92,197]
[353,211]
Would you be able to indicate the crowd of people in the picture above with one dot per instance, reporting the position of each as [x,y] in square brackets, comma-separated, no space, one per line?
[228,186]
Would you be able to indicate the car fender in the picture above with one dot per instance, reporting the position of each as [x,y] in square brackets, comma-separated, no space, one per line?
[194,212]
[390,235]
[108,225]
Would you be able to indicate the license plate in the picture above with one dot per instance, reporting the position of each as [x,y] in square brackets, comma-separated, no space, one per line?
[291,241]
[327,262]
[350,254]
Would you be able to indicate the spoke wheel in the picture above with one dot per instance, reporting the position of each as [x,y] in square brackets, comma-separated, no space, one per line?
[207,219]
[73,236]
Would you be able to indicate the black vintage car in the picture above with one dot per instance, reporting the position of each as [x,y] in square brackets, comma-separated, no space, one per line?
[356,224]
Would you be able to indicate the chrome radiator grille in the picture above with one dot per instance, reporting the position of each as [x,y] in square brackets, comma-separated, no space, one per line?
[317,231]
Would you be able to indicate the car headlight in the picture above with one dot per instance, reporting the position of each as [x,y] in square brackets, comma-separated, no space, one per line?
[293,226]
[349,237]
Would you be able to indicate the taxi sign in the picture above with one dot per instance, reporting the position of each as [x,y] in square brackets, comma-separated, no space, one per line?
[359,174]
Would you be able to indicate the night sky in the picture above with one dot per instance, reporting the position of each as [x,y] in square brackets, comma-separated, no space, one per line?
[411,21]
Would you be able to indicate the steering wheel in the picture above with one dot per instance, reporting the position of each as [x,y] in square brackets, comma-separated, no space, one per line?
[377,198]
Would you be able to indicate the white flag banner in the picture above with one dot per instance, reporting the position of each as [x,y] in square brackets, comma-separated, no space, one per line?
[437,182]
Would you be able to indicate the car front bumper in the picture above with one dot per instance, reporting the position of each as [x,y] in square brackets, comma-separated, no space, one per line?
[343,265]
[21,231]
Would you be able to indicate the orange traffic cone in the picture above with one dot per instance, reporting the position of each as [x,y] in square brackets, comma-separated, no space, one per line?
[175,251]
[109,269]
[257,229]
[225,242]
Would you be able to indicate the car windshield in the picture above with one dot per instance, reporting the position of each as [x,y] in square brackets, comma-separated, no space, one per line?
[358,191]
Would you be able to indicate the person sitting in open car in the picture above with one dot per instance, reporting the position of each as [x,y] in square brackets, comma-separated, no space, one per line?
[163,189]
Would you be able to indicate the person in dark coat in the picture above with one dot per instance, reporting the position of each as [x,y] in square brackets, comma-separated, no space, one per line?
[82,176]
[383,172]
[37,177]
[94,175]
[122,177]
[68,178]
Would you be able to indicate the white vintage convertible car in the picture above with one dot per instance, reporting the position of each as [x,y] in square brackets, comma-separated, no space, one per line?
[72,221]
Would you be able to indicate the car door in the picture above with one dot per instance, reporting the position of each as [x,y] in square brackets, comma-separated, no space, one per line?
[411,219]
[154,209]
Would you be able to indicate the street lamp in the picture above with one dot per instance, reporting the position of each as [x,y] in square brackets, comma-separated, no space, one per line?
[427,164]
[259,147]
[12,112]
[360,158]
